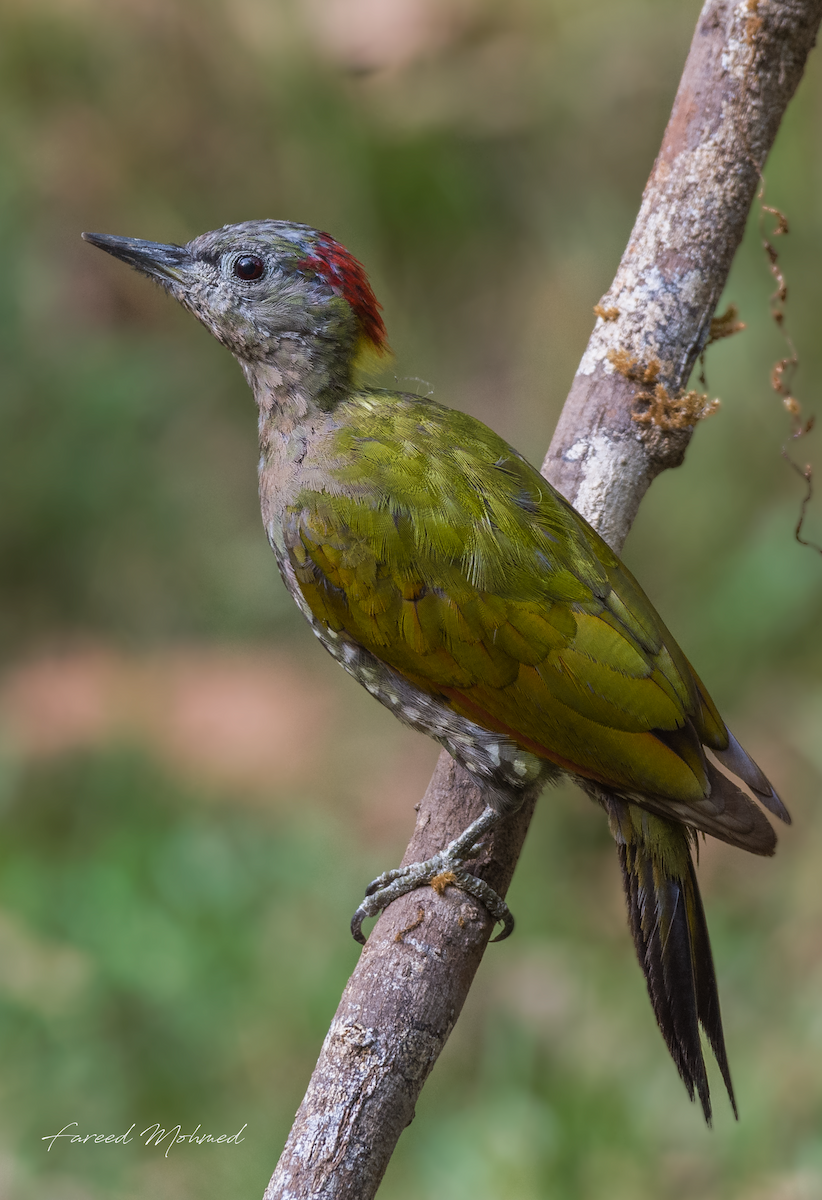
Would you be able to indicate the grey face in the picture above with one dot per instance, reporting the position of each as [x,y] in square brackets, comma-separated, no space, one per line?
[250,284]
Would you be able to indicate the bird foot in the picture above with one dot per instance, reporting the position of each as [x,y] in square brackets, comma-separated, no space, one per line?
[443,870]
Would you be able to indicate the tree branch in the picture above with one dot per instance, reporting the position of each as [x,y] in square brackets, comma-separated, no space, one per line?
[744,65]
[624,421]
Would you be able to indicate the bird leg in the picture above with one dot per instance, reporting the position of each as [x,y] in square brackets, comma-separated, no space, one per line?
[443,870]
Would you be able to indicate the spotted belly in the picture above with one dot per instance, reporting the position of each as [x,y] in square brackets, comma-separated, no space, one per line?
[502,768]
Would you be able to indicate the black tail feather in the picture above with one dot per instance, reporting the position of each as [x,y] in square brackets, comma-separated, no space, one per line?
[706,990]
[671,938]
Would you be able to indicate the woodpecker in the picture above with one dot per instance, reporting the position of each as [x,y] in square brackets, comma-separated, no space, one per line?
[445,574]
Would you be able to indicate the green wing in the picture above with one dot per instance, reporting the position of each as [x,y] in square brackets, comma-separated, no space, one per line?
[436,546]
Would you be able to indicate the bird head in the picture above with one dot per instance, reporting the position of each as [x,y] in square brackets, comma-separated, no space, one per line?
[254,284]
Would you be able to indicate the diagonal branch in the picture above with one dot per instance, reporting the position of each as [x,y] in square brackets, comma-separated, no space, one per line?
[626,419]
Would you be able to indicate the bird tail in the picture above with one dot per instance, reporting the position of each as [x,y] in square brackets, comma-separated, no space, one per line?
[671,938]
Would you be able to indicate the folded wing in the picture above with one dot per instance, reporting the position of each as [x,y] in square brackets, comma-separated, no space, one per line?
[460,567]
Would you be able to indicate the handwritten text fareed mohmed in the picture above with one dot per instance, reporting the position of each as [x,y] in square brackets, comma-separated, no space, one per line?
[153,1134]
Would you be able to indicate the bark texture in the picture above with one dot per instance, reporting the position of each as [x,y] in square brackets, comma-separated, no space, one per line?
[397,1010]
[744,65]
[624,421]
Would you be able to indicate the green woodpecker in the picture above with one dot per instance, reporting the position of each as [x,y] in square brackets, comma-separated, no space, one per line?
[451,580]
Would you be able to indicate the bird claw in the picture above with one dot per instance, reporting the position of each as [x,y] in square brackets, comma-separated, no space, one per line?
[387,878]
[443,870]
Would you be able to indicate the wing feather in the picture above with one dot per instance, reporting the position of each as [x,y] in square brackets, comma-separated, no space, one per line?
[463,569]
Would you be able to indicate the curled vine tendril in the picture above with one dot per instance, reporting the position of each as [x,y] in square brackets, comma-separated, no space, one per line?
[784,369]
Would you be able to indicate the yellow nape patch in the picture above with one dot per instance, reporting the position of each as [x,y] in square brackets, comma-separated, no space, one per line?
[370,359]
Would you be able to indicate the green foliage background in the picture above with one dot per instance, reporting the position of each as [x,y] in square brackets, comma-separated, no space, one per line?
[173,942]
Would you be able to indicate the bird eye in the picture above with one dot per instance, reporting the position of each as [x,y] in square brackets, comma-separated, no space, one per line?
[249,266]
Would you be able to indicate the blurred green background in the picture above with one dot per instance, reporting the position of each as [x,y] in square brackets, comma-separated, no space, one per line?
[192,796]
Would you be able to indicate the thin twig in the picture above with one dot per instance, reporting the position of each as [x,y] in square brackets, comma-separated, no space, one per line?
[783,371]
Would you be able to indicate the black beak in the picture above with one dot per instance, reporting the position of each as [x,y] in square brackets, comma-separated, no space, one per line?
[163,263]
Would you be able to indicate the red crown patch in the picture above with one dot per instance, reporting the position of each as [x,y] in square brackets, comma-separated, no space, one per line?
[347,276]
